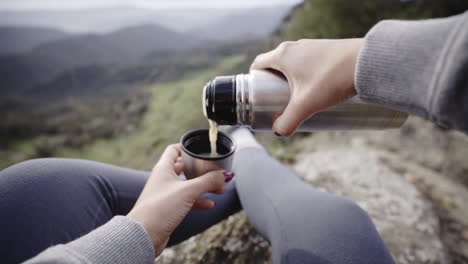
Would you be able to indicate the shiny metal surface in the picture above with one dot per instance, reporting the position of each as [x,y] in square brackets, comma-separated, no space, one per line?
[196,165]
[262,97]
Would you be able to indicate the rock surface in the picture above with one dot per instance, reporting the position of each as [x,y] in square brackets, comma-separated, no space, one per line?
[410,181]
[404,218]
[231,241]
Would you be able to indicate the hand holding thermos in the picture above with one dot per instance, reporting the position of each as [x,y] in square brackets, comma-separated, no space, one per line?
[308,87]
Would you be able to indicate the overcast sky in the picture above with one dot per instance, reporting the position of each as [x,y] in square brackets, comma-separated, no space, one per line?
[78,4]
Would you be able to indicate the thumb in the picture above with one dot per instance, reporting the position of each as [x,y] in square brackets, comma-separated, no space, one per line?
[292,117]
[265,61]
[212,181]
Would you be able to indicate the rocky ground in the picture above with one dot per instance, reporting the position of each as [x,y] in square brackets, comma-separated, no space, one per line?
[411,181]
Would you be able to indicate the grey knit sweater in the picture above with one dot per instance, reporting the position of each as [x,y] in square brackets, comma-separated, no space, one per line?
[419,67]
[121,240]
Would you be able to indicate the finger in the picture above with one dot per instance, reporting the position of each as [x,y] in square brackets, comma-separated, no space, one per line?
[221,191]
[273,59]
[210,182]
[170,155]
[265,61]
[179,167]
[203,204]
[292,117]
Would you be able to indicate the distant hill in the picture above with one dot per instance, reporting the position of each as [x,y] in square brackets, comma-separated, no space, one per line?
[258,22]
[95,82]
[23,39]
[105,20]
[336,19]
[125,46]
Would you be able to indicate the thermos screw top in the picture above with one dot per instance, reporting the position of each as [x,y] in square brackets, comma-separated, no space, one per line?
[220,100]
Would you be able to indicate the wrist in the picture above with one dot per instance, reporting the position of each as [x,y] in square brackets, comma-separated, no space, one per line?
[121,240]
[158,241]
[354,53]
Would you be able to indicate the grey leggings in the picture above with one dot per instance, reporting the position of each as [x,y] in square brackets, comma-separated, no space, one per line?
[50,201]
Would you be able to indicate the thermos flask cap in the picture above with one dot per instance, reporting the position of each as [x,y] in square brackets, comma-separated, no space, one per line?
[220,100]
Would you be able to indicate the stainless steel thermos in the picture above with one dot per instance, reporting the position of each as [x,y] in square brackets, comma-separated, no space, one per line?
[256,99]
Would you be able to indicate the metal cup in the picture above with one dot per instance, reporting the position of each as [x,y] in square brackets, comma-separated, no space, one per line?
[196,153]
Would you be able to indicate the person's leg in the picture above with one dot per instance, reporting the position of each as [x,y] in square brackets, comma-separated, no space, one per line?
[51,201]
[302,224]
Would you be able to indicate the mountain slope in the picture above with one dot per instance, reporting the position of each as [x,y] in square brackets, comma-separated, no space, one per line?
[105,20]
[258,22]
[23,39]
[354,18]
[125,46]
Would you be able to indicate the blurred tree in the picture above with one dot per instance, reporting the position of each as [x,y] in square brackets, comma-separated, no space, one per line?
[353,18]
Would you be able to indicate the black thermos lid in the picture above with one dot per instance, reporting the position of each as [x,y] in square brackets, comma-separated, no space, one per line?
[220,100]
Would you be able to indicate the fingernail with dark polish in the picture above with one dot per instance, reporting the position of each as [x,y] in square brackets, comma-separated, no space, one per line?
[278,134]
[229,179]
[228,175]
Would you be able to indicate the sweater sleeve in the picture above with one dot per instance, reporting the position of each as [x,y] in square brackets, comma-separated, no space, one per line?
[121,240]
[419,67]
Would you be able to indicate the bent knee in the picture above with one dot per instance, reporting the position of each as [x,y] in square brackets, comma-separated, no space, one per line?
[345,207]
[34,168]
[41,174]
[322,209]
[342,211]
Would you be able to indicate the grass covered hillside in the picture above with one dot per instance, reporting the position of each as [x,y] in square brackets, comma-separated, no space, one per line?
[173,108]
[353,18]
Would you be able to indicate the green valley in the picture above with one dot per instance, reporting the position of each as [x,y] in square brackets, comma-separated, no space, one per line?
[173,109]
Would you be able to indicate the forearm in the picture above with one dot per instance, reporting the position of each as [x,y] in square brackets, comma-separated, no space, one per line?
[420,67]
[121,240]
